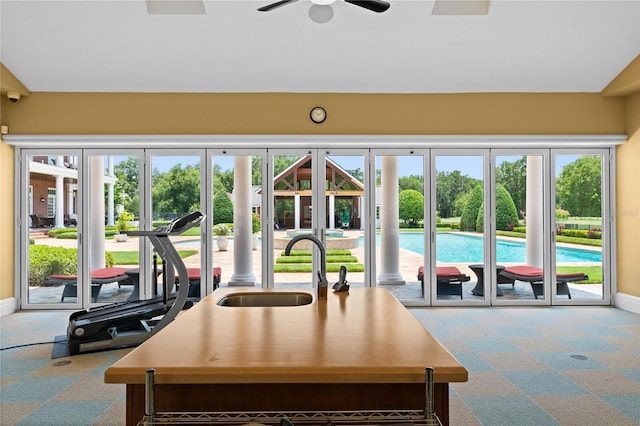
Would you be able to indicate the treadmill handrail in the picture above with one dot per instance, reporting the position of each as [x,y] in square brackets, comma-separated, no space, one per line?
[175,227]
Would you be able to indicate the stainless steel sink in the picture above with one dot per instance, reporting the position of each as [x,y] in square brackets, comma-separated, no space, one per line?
[266,299]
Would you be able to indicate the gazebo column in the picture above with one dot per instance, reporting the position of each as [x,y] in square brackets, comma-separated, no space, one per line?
[390,219]
[96,213]
[296,211]
[535,205]
[332,211]
[360,211]
[242,225]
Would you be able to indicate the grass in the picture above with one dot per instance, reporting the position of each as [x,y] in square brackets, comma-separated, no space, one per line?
[301,261]
[133,257]
[308,259]
[331,252]
[307,267]
[594,273]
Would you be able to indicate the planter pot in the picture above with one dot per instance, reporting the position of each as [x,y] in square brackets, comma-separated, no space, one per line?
[254,241]
[222,242]
[121,238]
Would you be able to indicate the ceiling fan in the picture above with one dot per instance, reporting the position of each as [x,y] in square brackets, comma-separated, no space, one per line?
[373,5]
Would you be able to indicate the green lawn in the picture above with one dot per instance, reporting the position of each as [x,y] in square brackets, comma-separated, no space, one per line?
[133,257]
[594,273]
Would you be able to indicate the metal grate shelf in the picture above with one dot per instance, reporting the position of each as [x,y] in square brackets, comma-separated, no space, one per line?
[292,418]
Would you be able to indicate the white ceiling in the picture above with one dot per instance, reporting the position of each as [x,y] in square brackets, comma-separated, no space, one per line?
[117,46]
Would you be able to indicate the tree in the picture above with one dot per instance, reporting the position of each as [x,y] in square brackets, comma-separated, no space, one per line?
[411,207]
[414,182]
[579,187]
[222,208]
[178,190]
[471,209]
[128,182]
[513,175]
[450,187]
[506,213]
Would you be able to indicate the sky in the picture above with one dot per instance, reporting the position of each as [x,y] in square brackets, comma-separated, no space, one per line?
[469,165]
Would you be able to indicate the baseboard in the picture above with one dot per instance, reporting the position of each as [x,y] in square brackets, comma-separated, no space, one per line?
[627,302]
[8,306]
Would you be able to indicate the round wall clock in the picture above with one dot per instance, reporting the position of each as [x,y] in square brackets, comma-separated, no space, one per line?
[318,115]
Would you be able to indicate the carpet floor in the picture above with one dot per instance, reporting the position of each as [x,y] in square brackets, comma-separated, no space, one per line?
[527,366]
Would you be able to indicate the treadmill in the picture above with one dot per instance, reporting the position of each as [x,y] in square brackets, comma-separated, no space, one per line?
[126,324]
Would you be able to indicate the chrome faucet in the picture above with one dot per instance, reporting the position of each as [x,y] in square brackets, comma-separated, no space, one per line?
[322,274]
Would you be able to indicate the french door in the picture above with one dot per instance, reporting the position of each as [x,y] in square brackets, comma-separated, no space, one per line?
[392,217]
[322,193]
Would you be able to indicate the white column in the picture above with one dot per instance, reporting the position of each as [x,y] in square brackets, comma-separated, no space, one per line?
[242,229]
[110,200]
[535,205]
[390,229]
[332,211]
[70,199]
[296,211]
[59,202]
[361,211]
[96,213]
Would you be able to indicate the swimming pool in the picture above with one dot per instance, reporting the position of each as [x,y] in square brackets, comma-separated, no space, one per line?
[453,248]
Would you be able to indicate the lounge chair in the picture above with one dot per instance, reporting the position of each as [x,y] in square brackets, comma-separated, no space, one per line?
[449,280]
[99,277]
[534,276]
[194,281]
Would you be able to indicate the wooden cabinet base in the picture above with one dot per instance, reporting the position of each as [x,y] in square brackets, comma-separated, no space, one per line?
[286,397]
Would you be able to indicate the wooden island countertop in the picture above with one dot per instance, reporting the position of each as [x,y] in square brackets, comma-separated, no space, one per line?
[364,336]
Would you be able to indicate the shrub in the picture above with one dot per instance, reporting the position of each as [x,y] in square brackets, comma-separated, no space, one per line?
[221,229]
[222,208]
[471,209]
[46,260]
[594,233]
[256,223]
[411,207]
[124,221]
[68,236]
[506,212]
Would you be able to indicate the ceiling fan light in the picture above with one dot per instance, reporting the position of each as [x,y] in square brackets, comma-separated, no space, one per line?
[320,14]
[323,2]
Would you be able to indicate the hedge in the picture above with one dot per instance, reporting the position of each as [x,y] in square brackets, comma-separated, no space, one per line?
[46,260]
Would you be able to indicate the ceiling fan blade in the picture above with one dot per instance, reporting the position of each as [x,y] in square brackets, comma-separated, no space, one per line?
[374,5]
[275,5]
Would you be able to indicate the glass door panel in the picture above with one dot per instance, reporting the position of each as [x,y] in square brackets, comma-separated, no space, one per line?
[175,191]
[520,212]
[345,217]
[400,231]
[460,234]
[579,227]
[291,180]
[237,219]
[51,204]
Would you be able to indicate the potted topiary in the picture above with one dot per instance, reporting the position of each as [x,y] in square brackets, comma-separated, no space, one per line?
[122,225]
[256,224]
[222,231]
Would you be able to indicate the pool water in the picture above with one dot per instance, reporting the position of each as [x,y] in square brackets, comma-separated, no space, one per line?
[462,248]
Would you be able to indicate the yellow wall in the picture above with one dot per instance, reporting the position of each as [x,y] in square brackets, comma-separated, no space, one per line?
[275,113]
[628,201]
[6,219]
